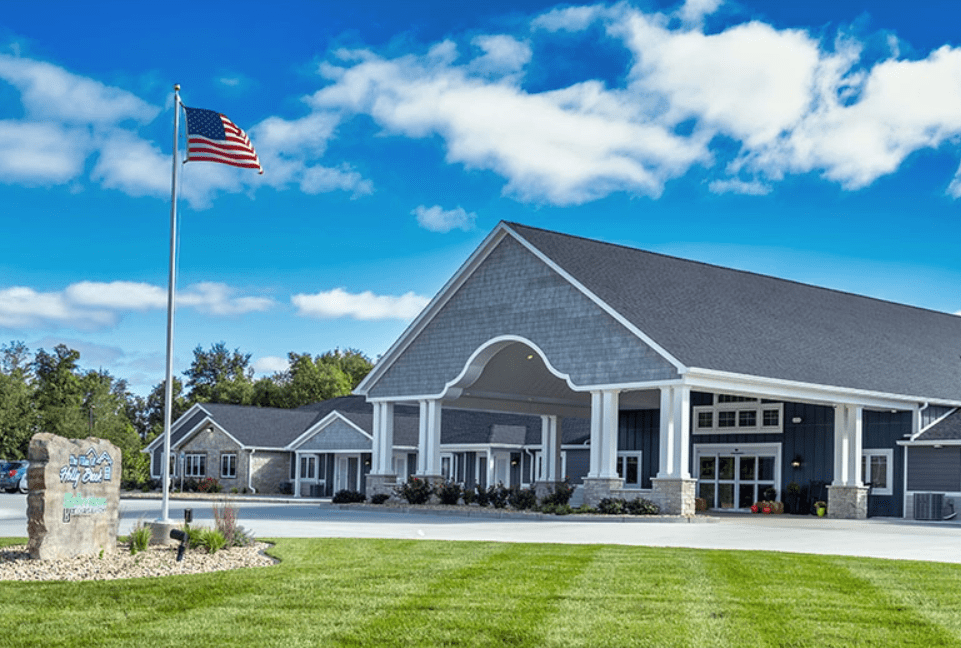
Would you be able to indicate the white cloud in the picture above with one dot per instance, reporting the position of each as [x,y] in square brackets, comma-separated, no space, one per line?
[750,188]
[363,306]
[90,305]
[437,219]
[271,365]
[502,55]
[692,12]
[35,153]
[52,93]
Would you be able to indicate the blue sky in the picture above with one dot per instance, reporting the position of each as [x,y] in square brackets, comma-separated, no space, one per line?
[815,141]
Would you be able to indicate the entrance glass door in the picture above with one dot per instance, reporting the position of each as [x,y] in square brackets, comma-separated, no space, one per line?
[734,481]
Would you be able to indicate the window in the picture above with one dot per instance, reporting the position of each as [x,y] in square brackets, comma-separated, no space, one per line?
[195,465]
[228,466]
[308,467]
[877,469]
[629,468]
[738,414]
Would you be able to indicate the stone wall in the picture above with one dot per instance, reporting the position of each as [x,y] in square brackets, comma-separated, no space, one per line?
[848,502]
[270,470]
[74,500]
[674,496]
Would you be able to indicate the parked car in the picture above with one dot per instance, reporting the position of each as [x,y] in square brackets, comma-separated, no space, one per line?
[13,476]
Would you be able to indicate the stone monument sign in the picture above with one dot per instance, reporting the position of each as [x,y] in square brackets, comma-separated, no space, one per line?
[73,505]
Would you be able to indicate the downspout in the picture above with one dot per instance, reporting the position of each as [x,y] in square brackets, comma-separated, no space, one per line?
[250,471]
[533,467]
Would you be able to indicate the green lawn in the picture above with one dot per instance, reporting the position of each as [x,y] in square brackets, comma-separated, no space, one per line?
[424,593]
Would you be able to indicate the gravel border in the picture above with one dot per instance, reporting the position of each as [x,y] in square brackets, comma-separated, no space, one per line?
[158,560]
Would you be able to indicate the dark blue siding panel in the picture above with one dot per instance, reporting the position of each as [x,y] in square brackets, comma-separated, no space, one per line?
[641,430]
[578,465]
[934,469]
[884,430]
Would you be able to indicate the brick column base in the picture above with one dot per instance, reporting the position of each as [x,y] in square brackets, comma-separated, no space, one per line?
[848,502]
[675,496]
[544,488]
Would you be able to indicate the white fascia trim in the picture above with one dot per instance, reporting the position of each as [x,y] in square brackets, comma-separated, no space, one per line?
[726,382]
[933,423]
[440,299]
[320,425]
[661,351]
[934,442]
[150,447]
[619,387]
[207,421]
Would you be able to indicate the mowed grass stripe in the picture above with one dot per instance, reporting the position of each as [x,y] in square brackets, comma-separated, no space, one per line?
[499,598]
[825,598]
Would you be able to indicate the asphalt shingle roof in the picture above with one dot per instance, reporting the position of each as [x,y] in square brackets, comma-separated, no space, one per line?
[729,320]
[947,429]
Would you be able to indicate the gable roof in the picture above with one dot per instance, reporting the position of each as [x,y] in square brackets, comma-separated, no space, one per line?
[721,319]
[730,322]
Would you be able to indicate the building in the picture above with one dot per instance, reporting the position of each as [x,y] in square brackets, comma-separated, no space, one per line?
[697,380]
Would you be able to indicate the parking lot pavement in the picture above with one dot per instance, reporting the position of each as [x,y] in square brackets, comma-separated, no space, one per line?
[878,537]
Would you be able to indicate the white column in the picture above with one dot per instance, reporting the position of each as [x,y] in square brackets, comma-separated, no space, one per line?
[682,431]
[596,422]
[428,452]
[296,474]
[550,449]
[609,420]
[848,442]
[383,444]
[675,432]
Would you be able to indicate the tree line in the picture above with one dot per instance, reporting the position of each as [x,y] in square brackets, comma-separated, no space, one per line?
[50,392]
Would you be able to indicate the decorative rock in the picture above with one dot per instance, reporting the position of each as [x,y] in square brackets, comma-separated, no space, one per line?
[73,505]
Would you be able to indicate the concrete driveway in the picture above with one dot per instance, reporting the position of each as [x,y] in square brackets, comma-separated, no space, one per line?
[878,537]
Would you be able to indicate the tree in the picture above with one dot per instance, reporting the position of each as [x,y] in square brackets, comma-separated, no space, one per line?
[220,376]
[352,362]
[58,395]
[105,405]
[309,380]
[153,415]
[18,416]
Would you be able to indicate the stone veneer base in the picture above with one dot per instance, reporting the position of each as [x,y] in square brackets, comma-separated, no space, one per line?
[597,488]
[848,502]
[674,495]
[377,484]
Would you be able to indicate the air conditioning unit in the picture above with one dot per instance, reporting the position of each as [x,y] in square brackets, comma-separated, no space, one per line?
[929,506]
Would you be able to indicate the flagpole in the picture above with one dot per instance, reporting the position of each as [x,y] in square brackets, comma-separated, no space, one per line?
[168,382]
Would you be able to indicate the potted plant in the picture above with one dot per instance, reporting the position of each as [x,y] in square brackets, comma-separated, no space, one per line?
[756,507]
[820,508]
[794,497]
[767,508]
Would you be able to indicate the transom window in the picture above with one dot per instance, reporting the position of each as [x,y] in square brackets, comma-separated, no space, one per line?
[738,414]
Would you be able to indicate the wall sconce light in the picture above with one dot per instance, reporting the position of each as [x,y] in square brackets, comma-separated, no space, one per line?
[796,420]
[797,462]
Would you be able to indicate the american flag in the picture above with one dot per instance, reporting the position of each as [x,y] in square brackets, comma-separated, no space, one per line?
[211,137]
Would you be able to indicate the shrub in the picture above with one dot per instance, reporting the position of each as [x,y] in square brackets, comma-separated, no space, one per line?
[498,495]
[557,509]
[482,496]
[585,508]
[379,498]
[449,493]
[189,485]
[469,495]
[415,491]
[140,537]
[522,499]
[348,497]
[560,494]
[611,506]
[286,488]
[209,485]
[641,506]
[211,539]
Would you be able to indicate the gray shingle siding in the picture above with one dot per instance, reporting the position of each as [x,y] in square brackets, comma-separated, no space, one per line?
[729,320]
[338,435]
[514,293]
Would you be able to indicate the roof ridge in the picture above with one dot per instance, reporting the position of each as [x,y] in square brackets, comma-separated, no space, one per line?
[729,269]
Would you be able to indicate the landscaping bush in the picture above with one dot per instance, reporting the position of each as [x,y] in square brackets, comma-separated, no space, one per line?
[286,488]
[140,537]
[469,495]
[449,493]
[481,496]
[379,498]
[556,509]
[189,485]
[641,506]
[415,491]
[209,485]
[498,495]
[522,499]
[210,539]
[560,494]
[611,506]
[346,496]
